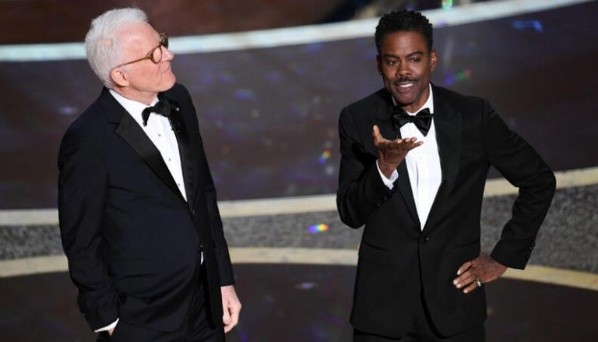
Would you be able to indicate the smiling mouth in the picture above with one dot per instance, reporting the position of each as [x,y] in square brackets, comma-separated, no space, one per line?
[404,86]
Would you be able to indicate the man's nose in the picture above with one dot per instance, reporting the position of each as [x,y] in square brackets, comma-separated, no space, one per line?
[168,55]
[402,69]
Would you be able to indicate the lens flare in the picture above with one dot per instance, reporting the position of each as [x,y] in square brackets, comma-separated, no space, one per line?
[318,228]
[458,77]
[324,156]
[522,25]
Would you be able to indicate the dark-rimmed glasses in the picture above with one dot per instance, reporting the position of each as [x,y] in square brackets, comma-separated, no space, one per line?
[155,55]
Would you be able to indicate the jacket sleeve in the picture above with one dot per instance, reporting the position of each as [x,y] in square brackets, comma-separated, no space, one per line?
[225,268]
[523,167]
[361,190]
[81,196]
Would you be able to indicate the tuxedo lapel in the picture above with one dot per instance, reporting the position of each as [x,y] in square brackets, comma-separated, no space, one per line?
[128,129]
[404,187]
[448,137]
[447,122]
[383,120]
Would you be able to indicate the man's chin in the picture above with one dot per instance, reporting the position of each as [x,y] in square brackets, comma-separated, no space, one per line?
[403,100]
[169,84]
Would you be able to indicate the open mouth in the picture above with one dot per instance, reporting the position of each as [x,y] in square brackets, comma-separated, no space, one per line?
[404,86]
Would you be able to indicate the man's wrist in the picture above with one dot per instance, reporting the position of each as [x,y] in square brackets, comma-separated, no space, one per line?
[386,168]
[388,179]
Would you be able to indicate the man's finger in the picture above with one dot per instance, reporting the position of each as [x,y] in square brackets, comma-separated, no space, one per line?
[234,318]
[226,318]
[465,279]
[378,138]
[471,287]
[464,267]
[375,130]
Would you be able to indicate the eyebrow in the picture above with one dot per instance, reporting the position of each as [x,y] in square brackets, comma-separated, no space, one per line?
[412,54]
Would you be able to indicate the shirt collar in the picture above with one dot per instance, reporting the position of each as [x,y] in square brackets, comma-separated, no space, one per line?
[133,107]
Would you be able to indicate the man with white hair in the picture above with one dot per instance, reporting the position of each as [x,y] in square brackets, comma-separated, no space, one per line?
[139,221]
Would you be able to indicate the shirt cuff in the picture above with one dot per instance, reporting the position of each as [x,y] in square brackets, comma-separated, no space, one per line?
[389,182]
[108,327]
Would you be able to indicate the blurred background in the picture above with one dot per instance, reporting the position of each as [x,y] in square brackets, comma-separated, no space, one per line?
[269,79]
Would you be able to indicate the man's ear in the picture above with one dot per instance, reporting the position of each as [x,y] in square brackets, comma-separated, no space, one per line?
[119,77]
[379,64]
[433,59]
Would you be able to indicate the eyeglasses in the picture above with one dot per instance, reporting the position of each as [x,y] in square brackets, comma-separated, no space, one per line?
[155,55]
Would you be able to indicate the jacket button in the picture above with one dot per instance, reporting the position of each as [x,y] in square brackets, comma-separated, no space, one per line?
[426,239]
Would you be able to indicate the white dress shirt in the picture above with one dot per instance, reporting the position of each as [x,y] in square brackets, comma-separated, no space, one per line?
[423,165]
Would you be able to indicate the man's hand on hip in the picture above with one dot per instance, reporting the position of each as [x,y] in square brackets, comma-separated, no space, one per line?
[478,271]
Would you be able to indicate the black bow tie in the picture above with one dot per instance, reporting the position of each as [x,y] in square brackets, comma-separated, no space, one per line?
[162,108]
[422,120]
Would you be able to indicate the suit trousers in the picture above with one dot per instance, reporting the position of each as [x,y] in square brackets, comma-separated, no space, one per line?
[423,331]
[195,329]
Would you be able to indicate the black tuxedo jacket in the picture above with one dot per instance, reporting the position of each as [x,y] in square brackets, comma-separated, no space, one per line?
[399,263]
[133,243]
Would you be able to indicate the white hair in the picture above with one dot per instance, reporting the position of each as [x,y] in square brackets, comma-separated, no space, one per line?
[102,45]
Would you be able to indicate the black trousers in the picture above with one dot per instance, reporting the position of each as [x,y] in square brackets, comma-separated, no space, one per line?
[195,329]
[424,331]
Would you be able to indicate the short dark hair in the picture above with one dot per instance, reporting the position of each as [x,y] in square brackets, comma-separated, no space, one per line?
[404,20]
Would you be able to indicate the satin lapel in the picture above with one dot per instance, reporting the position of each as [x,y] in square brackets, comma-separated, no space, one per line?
[447,121]
[383,119]
[404,186]
[188,157]
[129,131]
